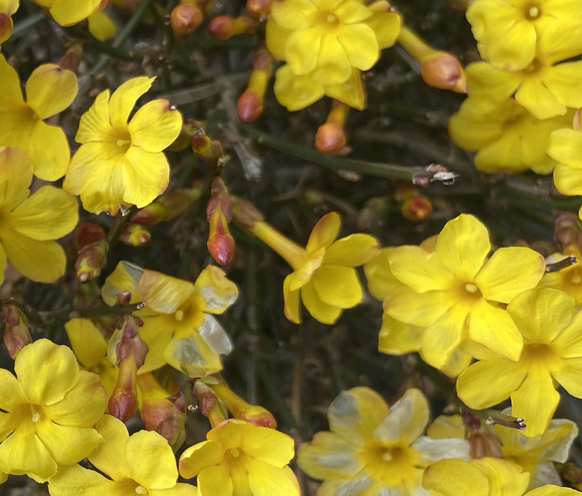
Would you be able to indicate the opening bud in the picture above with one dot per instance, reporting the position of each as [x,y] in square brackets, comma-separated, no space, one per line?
[91,259]
[185,18]
[210,151]
[224,27]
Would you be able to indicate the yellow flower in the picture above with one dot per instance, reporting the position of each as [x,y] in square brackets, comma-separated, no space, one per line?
[179,324]
[374,449]
[455,292]
[29,225]
[552,354]
[564,147]
[121,162]
[101,25]
[506,138]
[7,9]
[483,477]
[568,279]
[69,12]
[47,411]
[142,463]
[241,458]
[49,90]
[507,31]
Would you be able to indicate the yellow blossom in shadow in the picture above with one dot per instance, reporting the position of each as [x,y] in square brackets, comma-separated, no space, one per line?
[47,411]
[373,448]
[49,90]
[552,355]
[29,225]
[241,458]
[140,464]
[179,324]
[69,12]
[121,162]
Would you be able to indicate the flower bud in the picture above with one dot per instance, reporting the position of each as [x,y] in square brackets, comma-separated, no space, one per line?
[249,106]
[155,405]
[6,26]
[218,212]
[185,18]
[134,235]
[91,259]
[210,151]
[172,426]
[189,128]
[245,214]
[567,229]
[72,57]
[484,444]
[16,333]
[123,401]
[416,208]
[259,8]
[224,27]
[257,415]
[331,138]
[250,103]
[149,215]
[88,233]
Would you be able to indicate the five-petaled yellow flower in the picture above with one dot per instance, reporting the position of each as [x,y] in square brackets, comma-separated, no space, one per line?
[47,411]
[552,354]
[140,464]
[49,90]
[29,225]
[179,324]
[121,162]
[241,458]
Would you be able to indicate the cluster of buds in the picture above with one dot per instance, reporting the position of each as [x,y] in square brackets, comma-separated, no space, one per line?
[567,229]
[206,149]
[259,8]
[250,103]
[127,350]
[187,16]
[438,69]
[219,213]
[414,205]
[92,251]
[224,27]
[16,333]
[330,137]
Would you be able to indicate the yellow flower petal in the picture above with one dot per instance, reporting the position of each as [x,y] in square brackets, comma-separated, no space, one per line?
[568,343]
[67,445]
[569,376]
[214,335]
[564,147]
[324,232]
[46,371]
[535,401]
[266,480]
[509,272]
[350,92]
[422,309]
[568,181]
[106,457]
[40,261]
[493,328]
[457,364]
[94,124]
[329,456]
[563,82]
[386,27]
[83,405]
[125,277]
[151,460]
[324,313]
[441,339]
[302,50]
[48,150]
[49,213]
[215,480]
[337,286]
[217,290]
[11,394]
[276,38]
[454,477]
[24,453]
[303,274]
[504,477]
[200,456]
[155,126]
[463,245]
[162,293]
[360,45]
[11,96]
[500,376]
[541,314]
[124,98]
[15,177]
[191,355]
[379,276]
[539,100]
[419,270]
[333,65]
[296,92]
[351,251]
[157,335]
[550,490]
[50,89]
[145,176]
[294,14]
[291,302]
[81,482]
[265,444]
[446,427]
[69,12]
[397,338]
[101,25]
[87,342]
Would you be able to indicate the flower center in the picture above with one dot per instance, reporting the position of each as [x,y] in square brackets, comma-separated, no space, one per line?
[234,452]
[326,19]
[537,357]
[141,490]
[188,316]
[471,288]
[394,465]
[121,143]
[576,279]
[532,13]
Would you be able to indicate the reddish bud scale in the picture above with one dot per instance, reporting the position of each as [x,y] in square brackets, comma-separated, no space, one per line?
[207,400]
[16,334]
[88,233]
[172,428]
[224,27]
[150,215]
[220,243]
[123,401]
[259,8]
[6,26]
[185,18]
[416,208]
[72,57]
[572,473]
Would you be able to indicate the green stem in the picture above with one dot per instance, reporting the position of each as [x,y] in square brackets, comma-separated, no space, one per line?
[28,22]
[124,34]
[390,171]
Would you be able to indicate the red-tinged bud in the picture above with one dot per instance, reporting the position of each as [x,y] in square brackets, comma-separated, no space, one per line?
[438,69]
[91,259]
[257,415]
[330,138]
[88,233]
[172,426]
[72,57]
[571,473]
[249,106]
[567,229]
[123,298]
[482,444]
[134,235]
[220,243]
[123,401]
[150,215]
[259,8]
[16,333]
[189,128]
[130,344]
[210,151]
[244,213]
[155,405]
[416,208]
[207,400]
[185,18]
[6,26]
[176,202]
[224,27]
